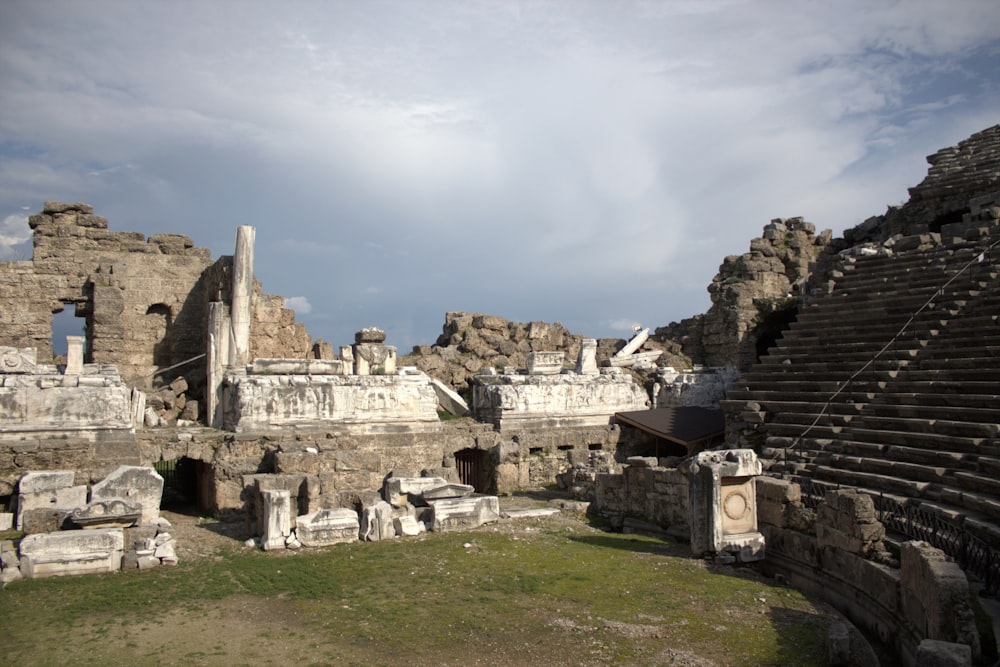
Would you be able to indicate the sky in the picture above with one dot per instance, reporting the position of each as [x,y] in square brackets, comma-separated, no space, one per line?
[590,163]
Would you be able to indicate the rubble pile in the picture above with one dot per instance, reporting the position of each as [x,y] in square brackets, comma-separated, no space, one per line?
[407,506]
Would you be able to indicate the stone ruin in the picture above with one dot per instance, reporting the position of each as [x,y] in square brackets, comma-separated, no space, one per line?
[304,436]
[289,513]
[69,529]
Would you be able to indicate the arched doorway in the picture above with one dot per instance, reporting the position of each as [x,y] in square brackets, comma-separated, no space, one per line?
[473,468]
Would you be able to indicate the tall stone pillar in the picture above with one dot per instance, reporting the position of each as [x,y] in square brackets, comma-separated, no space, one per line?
[217,357]
[241,308]
[74,354]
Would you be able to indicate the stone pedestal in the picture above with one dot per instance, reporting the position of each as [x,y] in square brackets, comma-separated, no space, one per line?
[586,362]
[74,354]
[278,523]
[723,504]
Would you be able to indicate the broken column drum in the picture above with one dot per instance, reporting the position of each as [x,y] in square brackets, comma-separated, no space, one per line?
[723,504]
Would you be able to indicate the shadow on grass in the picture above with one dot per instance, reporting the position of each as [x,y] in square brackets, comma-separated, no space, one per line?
[632,543]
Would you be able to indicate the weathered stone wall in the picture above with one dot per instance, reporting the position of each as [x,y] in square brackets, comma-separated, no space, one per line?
[144,301]
[958,174]
[567,399]
[646,490]
[141,299]
[472,342]
[747,291]
[343,466]
[836,553]
[370,403]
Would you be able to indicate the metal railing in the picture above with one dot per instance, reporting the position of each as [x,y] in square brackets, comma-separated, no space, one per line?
[971,553]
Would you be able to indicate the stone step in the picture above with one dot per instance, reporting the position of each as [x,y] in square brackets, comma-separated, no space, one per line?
[953,374]
[940,362]
[921,425]
[795,406]
[792,373]
[886,467]
[833,363]
[873,482]
[971,500]
[789,418]
[934,411]
[939,397]
[951,443]
[945,385]
[963,342]
[796,431]
[764,396]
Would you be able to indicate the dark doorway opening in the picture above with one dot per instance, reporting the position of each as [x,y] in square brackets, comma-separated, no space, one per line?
[187,485]
[473,468]
[772,326]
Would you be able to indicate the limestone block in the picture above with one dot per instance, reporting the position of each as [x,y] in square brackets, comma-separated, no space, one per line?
[45,480]
[464,513]
[326,527]
[449,399]
[44,520]
[17,360]
[6,521]
[137,485]
[408,526]
[277,509]
[66,499]
[450,490]
[399,491]
[545,363]
[586,362]
[72,552]
[376,522]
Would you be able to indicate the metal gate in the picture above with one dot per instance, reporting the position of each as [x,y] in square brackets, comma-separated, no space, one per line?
[473,468]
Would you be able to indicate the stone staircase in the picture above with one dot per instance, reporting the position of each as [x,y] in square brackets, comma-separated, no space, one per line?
[891,382]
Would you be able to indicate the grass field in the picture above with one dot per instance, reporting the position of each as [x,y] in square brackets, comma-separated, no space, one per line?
[539,593]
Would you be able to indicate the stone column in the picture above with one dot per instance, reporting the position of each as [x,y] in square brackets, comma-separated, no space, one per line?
[241,307]
[74,354]
[217,356]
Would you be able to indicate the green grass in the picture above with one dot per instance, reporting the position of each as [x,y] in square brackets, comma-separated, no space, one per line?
[553,595]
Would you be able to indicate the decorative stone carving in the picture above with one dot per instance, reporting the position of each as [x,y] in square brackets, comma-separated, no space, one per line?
[376,522]
[326,527]
[723,504]
[110,513]
[512,401]
[138,485]
[545,363]
[402,491]
[14,360]
[72,552]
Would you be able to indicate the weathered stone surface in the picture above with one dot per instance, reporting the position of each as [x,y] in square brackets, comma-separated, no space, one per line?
[137,485]
[723,504]
[326,527]
[401,491]
[586,362]
[545,363]
[450,400]
[447,491]
[376,522]
[45,480]
[277,508]
[513,401]
[66,499]
[936,653]
[363,404]
[109,513]
[71,552]
[408,526]
[14,360]
[464,513]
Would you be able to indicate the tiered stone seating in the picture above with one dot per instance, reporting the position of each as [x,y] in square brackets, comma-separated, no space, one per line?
[891,383]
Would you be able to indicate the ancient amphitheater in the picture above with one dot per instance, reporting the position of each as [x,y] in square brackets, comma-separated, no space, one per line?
[834,418]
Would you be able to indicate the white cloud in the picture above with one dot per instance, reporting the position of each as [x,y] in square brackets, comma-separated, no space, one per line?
[559,161]
[14,231]
[299,304]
